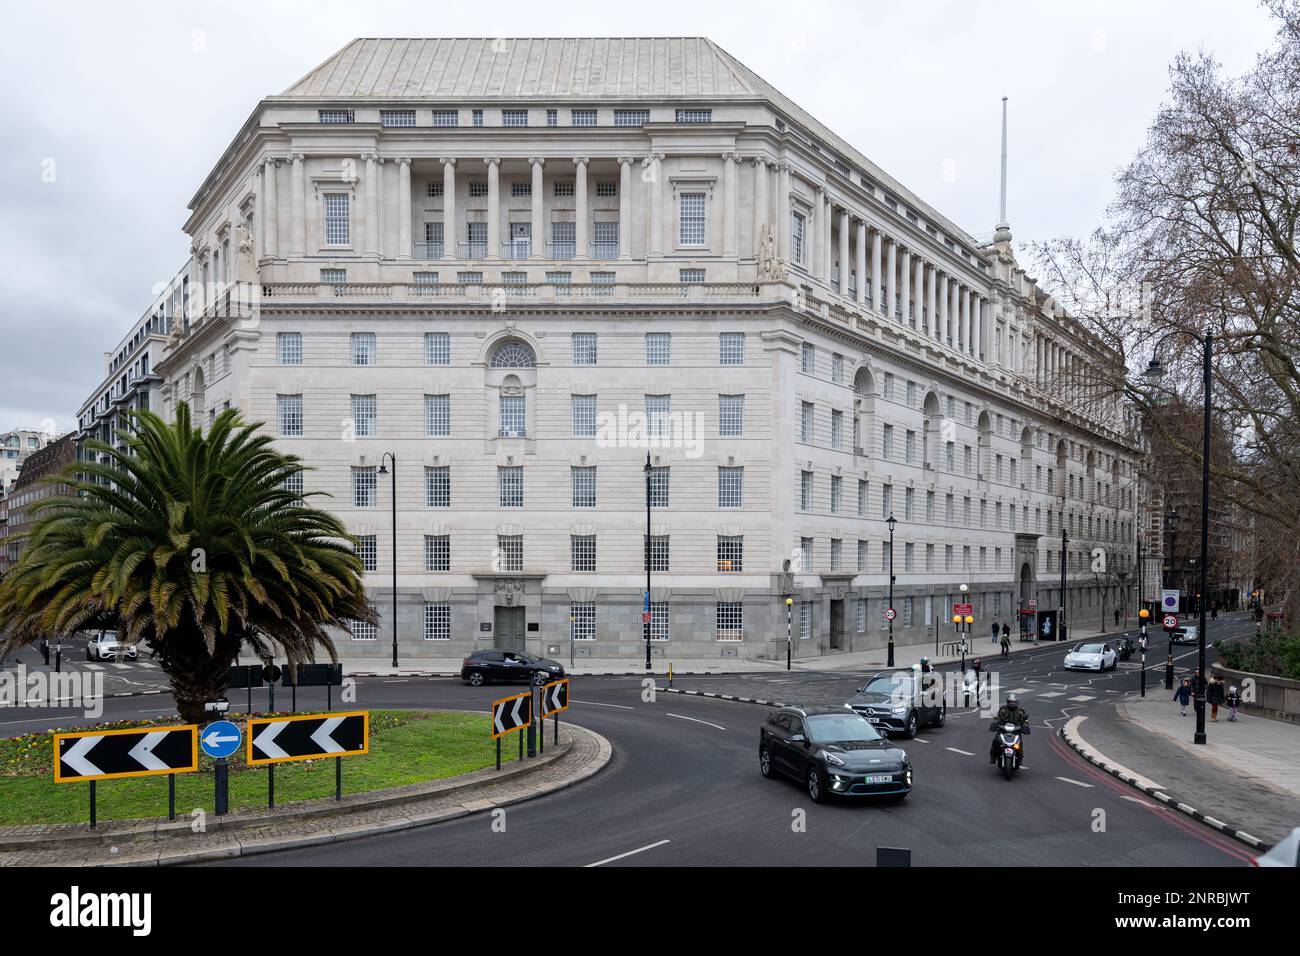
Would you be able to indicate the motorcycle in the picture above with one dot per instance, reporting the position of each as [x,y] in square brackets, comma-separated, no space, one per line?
[1010,751]
[1126,648]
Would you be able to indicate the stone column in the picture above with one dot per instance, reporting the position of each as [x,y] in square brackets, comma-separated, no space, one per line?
[845,265]
[891,280]
[918,294]
[877,295]
[931,304]
[269,212]
[449,240]
[624,207]
[782,218]
[828,224]
[582,227]
[963,303]
[954,312]
[538,194]
[371,247]
[862,262]
[298,214]
[762,212]
[404,207]
[493,165]
[905,287]
[815,235]
[945,330]
[730,216]
[655,164]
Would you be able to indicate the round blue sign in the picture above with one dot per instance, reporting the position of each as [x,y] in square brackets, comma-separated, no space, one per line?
[220,738]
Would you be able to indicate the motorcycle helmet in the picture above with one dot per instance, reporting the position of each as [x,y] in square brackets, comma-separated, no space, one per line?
[1013,700]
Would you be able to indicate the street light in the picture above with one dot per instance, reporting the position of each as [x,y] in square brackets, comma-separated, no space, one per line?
[1065,544]
[648,611]
[890,659]
[789,609]
[384,471]
[1153,374]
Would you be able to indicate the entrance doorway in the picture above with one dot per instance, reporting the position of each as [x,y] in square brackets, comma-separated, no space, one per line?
[508,629]
[837,625]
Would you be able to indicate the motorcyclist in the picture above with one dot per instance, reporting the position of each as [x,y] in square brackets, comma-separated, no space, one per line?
[1009,713]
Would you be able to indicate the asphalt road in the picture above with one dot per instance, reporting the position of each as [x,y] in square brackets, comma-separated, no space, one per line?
[683,788]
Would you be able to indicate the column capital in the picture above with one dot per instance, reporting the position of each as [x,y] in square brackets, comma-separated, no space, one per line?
[404,160]
[370,156]
[656,157]
[758,159]
[731,157]
[581,160]
[491,160]
[626,160]
[269,160]
[447,160]
[297,157]
[536,160]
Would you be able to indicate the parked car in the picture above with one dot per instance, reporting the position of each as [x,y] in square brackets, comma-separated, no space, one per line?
[1186,634]
[105,646]
[1091,657]
[890,703]
[482,667]
[1285,853]
[832,753]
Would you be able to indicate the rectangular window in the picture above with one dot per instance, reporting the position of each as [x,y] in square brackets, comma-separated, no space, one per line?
[362,630]
[691,219]
[564,243]
[584,348]
[293,483]
[909,446]
[582,552]
[658,348]
[562,189]
[658,552]
[337,224]
[658,414]
[731,348]
[837,368]
[886,441]
[478,189]
[604,243]
[659,629]
[334,116]
[433,189]
[437,552]
[886,501]
[731,553]
[521,189]
[731,621]
[797,225]
[368,552]
[512,416]
[397,117]
[363,487]
[806,422]
[365,416]
[659,478]
[805,620]
[582,117]
[514,117]
[837,553]
[731,416]
[909,497]
[731,486]
[425,283]
[445,118]
[582,486]
[837,487]
[437,416]
[437,622]
[862,498]
[606,189]
[690,276]
[583,413]
[437,486]
[510,552]
[805,490]
[437,348]
[289,412]
[552,118]
[861,614]
[695,116]
[864,548]
[582,622]
[631,117]
[289,347]
[363,348]
[837,428]
[806,554]
[510,486]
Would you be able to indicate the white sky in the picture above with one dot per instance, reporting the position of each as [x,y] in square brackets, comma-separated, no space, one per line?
[130,104]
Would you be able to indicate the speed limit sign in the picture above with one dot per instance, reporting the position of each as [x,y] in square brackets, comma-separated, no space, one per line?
[890,614]
[1170,622]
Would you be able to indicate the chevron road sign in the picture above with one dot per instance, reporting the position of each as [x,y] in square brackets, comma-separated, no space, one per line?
[555,698]
[139,752]
[512,713]
[274,740]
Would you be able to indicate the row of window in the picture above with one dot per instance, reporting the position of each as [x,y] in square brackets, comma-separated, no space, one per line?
[561,188]
[443,118]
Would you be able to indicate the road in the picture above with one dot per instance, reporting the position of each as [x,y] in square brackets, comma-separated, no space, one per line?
[683,788]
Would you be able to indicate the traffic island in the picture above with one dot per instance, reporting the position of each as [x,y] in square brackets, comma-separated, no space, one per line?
[312,818]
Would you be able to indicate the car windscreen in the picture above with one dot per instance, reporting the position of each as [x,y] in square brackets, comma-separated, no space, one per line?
[826,728]
[888,684]
[1088,649]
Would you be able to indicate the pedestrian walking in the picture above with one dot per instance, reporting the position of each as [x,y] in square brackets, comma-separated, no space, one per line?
[1182,695]
[1214,694]
[1117,617]
[995,630]
[1234,701]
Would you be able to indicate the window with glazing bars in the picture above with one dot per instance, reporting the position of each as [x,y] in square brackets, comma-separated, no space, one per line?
[731,552]
[337,232]
[659,628]
[397,117]
[437,416]
[837,493]
[437,622]
[582,552]
[514,117]
[367,552]
[657,551]
[731,348]
[658,414]
[364,416]
[362,630]
[805,490]
[582,622]
[658,348]
[521,189]
[730,621]
[446,117]
[731,486]
[363,487]
[293,483]
[512,416]
[584,415]
[437,486]
[289,411]
[478,188]
[631,117]
[691,219]
[289,347]
[806,422]
[510,552]
[510,486]
[690,276]
[437,348]
[433,189]
[796,237]
[731,416]
[807,358]
[659,479]
[363,348]
[695,116]
[584,348]
[334,116]
[582,486]
[582,117]
[437,552]
[562,188]
[607,188]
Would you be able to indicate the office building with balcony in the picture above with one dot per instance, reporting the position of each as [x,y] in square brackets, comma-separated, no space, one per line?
[520,267]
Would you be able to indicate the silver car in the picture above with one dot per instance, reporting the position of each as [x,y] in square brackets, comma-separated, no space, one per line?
[105,646]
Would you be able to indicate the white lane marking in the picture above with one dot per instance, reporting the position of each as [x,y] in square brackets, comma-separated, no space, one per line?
[1082,697]
[696,720]
[649,846]
[1020,690]
[1075,782]
[596,703]
[403,681]
[919,740]
[956,751]
[93,667]
[1139,801]
[1052,693]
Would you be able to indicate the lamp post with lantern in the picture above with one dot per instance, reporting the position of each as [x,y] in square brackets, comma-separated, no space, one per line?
[889,662]
[789,646]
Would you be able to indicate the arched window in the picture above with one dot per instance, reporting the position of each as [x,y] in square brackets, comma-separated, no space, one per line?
[513,354]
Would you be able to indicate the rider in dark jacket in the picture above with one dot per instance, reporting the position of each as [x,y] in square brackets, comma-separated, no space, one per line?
[1009,713]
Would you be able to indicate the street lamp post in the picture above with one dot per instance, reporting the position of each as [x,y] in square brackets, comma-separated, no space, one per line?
[1143,613]
[647,561]
[1065,543]
[384,471]
[889,662]
[789,646]
[1154,372]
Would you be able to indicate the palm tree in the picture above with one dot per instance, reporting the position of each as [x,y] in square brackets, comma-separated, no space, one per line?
[197,547]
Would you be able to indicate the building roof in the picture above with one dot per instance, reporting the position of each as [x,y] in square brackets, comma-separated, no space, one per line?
[576,69]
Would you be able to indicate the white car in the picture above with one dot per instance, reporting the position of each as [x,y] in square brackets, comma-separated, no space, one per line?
[1091,657]
[1286,853]
[105,646]
[1186,634]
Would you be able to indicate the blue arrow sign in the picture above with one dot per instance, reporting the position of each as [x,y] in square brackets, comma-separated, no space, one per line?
[220,738]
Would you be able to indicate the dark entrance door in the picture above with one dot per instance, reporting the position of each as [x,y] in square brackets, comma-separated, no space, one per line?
[837,625]
[508,629]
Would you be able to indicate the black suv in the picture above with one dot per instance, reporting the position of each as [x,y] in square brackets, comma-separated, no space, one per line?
[889,700]
[508,667]
[832,752]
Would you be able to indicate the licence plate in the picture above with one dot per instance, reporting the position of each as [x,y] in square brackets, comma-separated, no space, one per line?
[880,778]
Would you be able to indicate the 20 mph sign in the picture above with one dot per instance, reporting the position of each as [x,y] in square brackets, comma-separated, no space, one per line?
[1170,622]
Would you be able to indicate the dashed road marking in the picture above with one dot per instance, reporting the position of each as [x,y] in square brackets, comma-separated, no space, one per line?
[1077,783]
[1083,697]
[596,703]
[966,753]
[1052,693]
[649,846]
[695,720]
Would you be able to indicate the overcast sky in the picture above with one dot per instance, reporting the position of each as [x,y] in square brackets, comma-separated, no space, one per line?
[115,112]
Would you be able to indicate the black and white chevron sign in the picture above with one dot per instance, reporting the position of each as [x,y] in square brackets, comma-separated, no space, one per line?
[281,739]
[512,713]
[141,752]
[555,697]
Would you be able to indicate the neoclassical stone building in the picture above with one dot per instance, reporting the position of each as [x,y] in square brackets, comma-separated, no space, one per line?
[519,266]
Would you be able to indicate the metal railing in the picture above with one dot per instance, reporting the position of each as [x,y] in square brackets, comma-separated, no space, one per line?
[473,250]
[427,250]
[562,249]
[604,249]
[516,249]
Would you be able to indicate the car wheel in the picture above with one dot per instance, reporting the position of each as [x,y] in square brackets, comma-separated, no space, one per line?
[909,730]
[816,785]
[476,678]
[540,678]
[942,718]
[765,763]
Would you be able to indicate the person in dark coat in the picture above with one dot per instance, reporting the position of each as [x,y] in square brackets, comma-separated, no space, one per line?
[1214,694]
[1234,701]
[995,630]
[1183,694]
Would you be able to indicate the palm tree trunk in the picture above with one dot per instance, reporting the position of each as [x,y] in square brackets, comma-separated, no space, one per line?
[197,677]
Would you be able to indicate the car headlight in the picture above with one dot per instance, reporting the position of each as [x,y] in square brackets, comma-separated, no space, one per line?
[831,759]
[899,711]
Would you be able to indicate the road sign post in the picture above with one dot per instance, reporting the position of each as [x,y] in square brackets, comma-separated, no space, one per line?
[509,715]
[276,740]
[1170,622]
[95,755]
[555,698]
